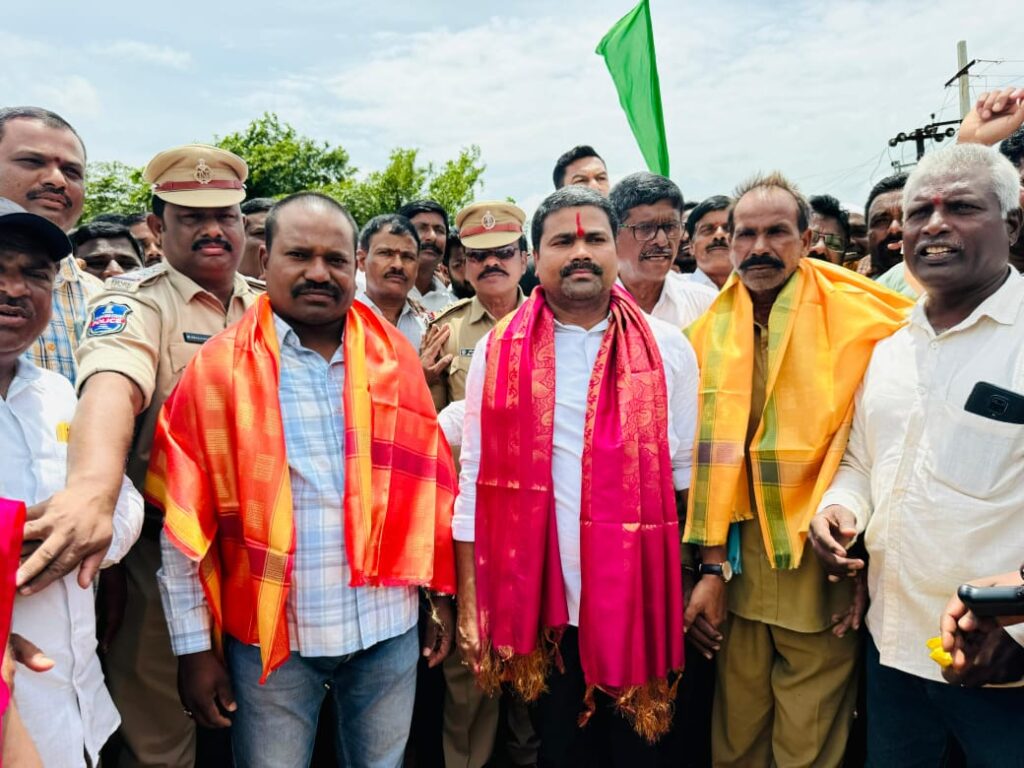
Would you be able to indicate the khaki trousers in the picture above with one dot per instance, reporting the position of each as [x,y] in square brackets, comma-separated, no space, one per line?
[782,698]
[142,673]
[470,717]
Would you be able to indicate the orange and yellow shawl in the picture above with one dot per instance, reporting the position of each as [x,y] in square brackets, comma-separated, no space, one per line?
[821,332]
[220,474]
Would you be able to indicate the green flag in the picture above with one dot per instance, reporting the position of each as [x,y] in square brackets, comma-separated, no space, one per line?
[628,51]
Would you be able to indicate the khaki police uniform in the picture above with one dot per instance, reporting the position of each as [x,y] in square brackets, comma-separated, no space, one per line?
[147,326]
[470,716]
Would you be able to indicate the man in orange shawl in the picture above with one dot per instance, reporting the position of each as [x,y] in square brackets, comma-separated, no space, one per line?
[781,352]
[579,422]
[308,492]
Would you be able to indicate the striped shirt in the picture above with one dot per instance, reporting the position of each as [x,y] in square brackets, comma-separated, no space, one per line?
[55,349]
[326,617]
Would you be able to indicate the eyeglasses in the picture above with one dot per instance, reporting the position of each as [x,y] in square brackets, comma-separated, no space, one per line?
[502,254]
[127,263]
[648,230]
[832,242]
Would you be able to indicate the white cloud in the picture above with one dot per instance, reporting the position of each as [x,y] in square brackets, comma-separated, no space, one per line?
[131,52]
[813,90]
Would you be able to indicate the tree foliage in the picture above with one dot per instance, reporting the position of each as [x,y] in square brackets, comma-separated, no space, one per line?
[281,161]
[402,180]
[114,187]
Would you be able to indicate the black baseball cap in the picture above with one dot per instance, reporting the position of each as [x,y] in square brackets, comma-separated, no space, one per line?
[49,235]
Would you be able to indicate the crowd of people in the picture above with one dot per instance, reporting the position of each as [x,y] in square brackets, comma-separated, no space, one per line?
[635,482]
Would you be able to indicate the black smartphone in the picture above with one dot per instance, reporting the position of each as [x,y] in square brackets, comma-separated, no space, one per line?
[993,601]
[996,403]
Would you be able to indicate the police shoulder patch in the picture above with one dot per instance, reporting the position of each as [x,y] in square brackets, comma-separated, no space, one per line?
[448,311]
[108,319]
[130,282]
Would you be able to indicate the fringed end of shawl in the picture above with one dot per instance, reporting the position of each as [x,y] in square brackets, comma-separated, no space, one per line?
[526,673]
[647,708]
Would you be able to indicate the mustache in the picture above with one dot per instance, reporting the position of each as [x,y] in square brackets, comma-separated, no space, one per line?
[576,264]
[493,271]
[309,287]
[395,273]
[23,306]
[719,242]
[430,247]
[205,241]
[762,261]
[656,253]
[48,189]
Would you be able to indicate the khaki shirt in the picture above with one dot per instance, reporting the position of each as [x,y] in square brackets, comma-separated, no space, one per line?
[802,599]
[469,322]
[147,325]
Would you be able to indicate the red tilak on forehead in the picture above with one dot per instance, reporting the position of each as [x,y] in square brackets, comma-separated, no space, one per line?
[579,226]
[936,200]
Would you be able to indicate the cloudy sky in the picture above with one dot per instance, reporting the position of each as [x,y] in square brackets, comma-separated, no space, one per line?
[811,88]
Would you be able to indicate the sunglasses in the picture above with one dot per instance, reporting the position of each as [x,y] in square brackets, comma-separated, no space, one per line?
[502,254]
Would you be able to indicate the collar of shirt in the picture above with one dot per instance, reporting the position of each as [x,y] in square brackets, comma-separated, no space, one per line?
[287,337]
[1003,306]
[189,289]
[566,328]
[478,312]
[68,271]
[26,373]
[407,308]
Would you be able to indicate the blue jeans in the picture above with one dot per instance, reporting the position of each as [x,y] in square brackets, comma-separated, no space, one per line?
[910,720]
[373,690]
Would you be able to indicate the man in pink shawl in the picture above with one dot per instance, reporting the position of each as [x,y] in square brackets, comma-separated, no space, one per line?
[580,417]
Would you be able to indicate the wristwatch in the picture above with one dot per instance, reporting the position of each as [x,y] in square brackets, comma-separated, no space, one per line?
[717,569]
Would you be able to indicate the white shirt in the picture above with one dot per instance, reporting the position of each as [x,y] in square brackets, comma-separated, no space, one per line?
[451,419]
[410,324]
[682,301]
[437,298]
[67,710]
[937,491]
[699,277]
[575,352]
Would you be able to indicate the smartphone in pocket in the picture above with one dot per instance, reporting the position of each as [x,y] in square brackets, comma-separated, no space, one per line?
[996,403]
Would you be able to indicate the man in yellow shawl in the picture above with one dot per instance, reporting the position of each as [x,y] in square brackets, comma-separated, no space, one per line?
[308,492]
[781,353]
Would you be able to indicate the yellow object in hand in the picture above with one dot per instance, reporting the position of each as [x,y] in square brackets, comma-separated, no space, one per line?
[939,656]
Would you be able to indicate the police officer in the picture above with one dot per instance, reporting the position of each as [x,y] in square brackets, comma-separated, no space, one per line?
[492,235]
[496,251]
[141,332]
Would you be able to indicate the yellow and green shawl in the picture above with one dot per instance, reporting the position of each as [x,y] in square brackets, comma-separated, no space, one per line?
[821,332]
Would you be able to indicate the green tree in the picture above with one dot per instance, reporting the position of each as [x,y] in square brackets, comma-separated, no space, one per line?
[114,187]
[402,180]
[281,161]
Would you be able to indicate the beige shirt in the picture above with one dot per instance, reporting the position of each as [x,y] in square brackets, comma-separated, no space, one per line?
[469,322]
[799,599]
[937,491]
[147,325]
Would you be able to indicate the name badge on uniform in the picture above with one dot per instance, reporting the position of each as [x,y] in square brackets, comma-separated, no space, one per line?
[63,432]
[108,319]
[195,338]
[466,352]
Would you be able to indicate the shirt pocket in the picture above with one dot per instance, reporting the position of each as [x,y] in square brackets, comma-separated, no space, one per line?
[179,355]
[974,455]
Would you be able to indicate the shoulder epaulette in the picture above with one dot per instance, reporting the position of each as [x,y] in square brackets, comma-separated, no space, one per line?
[255,283]
[130,282]
[450,310]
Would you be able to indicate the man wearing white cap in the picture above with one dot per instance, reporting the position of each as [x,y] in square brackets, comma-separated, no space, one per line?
[141,332]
